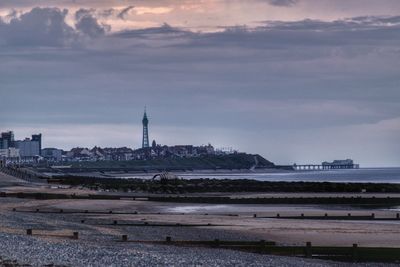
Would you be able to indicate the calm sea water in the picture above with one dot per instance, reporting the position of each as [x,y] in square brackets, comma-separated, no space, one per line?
[363,175]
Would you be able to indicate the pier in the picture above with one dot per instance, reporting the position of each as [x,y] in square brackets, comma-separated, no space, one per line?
[310,167]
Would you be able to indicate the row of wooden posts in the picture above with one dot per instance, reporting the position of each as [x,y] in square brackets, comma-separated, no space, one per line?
[262,244]
[393,201]
[349,215]
[18,173]
[278,215]
[75,235]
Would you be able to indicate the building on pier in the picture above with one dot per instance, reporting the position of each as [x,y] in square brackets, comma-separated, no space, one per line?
[336,164]
[339,164]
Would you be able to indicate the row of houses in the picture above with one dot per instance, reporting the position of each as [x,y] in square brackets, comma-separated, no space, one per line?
[30,150]
[124,153]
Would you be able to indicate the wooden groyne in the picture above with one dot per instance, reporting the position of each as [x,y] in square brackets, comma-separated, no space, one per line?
[302,216]
[22,174]
[352,253]
[384,201]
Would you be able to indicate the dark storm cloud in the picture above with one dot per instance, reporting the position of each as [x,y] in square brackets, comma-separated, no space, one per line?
[164,30]
[39,27]
[283,2]
[361,31]
[48,27]
[88,24]
[349,24]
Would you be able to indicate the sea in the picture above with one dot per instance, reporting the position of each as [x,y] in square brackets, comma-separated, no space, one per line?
[362,175]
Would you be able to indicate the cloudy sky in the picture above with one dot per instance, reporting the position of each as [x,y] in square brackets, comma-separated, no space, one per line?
[293,80]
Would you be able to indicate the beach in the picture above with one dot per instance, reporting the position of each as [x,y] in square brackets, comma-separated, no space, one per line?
[101,223]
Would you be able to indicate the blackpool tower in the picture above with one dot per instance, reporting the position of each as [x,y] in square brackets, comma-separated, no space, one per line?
[145,122]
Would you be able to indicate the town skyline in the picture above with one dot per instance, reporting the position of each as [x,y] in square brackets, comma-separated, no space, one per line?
[146,142]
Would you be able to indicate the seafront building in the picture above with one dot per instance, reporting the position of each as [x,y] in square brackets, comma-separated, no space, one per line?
[52,154]
[10,153]
[27,150]
[38,138]
[6,140]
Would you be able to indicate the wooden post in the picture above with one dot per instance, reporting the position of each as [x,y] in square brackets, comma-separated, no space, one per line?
[124,238]
[75,235]
[354,253]
[255,215]
[302,215]
[168,239]
[398,216]
[110,211]
[216,242]
[115,222]
[349,214]
[373,215]
[308,250]
[37,210]
[278,215]
[14,209]
[86,211]
[82,221]
[61,210]
[262,244]
[29,231]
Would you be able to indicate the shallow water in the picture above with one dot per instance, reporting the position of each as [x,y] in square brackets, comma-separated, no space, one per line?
[234,208]
[254,208]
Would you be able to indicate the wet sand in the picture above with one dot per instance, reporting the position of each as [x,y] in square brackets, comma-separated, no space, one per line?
[240,219]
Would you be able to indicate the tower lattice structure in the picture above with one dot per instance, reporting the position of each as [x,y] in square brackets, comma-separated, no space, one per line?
[145,122]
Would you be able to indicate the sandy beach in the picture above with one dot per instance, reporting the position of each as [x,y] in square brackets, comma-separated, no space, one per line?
[107,220]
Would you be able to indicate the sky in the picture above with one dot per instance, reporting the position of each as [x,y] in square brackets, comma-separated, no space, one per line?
[296,81]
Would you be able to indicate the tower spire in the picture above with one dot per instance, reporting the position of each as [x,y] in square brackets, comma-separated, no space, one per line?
[145,122]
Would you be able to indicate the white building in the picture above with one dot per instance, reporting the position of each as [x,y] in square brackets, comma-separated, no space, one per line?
[9,153]
[28,148]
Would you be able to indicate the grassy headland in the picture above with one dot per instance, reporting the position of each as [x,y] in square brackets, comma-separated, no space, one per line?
[210,162]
